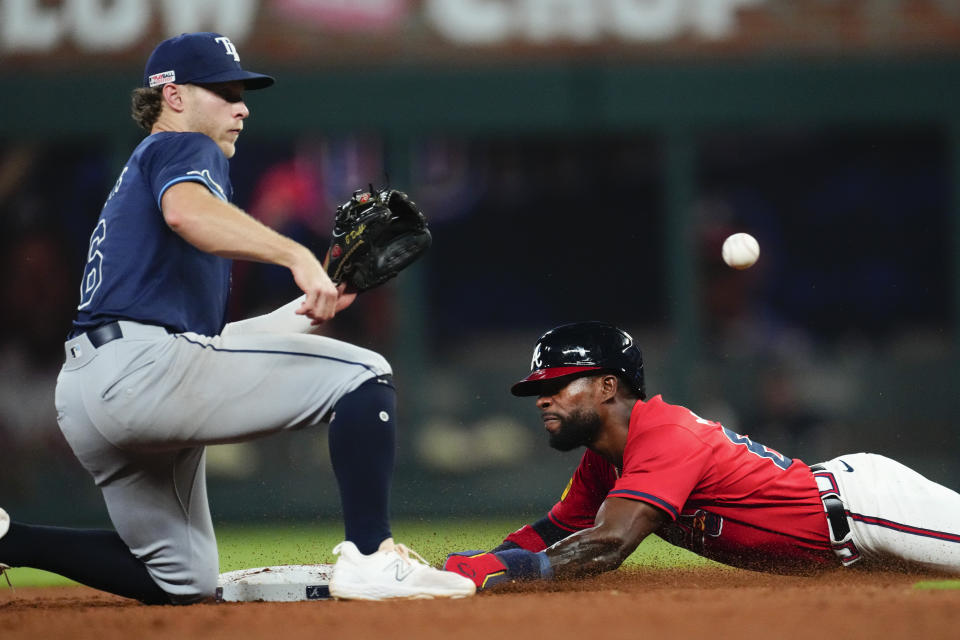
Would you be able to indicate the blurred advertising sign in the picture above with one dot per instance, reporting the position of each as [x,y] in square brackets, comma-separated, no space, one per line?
[96,26]
[584,21]
[333,32]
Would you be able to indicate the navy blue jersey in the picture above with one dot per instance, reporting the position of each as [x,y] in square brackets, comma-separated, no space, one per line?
[137,267]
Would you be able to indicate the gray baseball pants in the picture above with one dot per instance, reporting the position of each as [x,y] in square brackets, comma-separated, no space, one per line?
[139,410]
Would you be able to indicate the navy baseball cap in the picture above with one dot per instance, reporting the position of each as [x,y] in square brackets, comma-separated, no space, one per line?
[199,58]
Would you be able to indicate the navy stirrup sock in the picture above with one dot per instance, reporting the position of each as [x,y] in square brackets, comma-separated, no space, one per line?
[94,557]
[363,436]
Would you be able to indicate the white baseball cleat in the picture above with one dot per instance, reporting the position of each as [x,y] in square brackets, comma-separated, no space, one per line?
[4,527]
[393,571]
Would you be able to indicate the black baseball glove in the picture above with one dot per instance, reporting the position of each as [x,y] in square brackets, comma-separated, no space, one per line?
[376,234]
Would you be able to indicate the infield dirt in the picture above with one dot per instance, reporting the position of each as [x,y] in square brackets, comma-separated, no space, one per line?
[638,603]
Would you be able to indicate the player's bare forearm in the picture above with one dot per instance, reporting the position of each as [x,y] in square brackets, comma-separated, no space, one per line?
[620,526]
[218,227]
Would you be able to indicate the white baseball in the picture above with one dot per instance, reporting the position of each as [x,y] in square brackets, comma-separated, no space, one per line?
[741,250]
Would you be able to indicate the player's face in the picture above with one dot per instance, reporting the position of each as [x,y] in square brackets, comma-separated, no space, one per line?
[568,414]
[218,110]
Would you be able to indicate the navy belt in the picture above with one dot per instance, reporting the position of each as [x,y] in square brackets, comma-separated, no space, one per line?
[104,333]
[836,514]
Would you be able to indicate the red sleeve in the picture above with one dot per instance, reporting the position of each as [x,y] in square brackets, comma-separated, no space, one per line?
[662,466]
[576,508]
[527,538]
[584,494]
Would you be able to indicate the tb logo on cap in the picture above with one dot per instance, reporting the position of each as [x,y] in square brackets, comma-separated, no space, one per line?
[231,50]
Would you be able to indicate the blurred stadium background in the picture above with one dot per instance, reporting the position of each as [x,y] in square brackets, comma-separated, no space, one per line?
[578,159]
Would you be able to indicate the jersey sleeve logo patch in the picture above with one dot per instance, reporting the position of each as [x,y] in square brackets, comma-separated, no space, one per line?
[208,180]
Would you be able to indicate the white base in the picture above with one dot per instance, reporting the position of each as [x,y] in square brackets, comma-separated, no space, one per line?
[284,583]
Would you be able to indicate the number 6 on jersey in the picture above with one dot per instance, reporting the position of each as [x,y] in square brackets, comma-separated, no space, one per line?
[92,273]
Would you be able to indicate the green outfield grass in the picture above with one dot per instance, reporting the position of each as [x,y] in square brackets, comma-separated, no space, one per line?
[242,547]
[938,584]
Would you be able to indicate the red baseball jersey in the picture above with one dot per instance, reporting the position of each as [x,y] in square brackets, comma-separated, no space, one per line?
[728,498]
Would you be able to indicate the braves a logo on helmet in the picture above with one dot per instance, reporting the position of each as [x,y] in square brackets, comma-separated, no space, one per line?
[536,362]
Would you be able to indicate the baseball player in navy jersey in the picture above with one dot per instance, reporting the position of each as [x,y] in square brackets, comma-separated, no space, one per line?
[653,467]
[153,373]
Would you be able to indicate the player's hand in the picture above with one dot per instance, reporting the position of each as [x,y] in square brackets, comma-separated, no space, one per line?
[323,298]
[345,299]
[485,569]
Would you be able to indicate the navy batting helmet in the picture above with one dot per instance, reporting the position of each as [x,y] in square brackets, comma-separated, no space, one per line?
[580,347]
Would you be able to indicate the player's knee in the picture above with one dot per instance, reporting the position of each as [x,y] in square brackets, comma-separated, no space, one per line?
[377,363]
[375,393]
[372,403]
[202,587]
[370,360]
[188,578]
[206,585]
[206,574]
